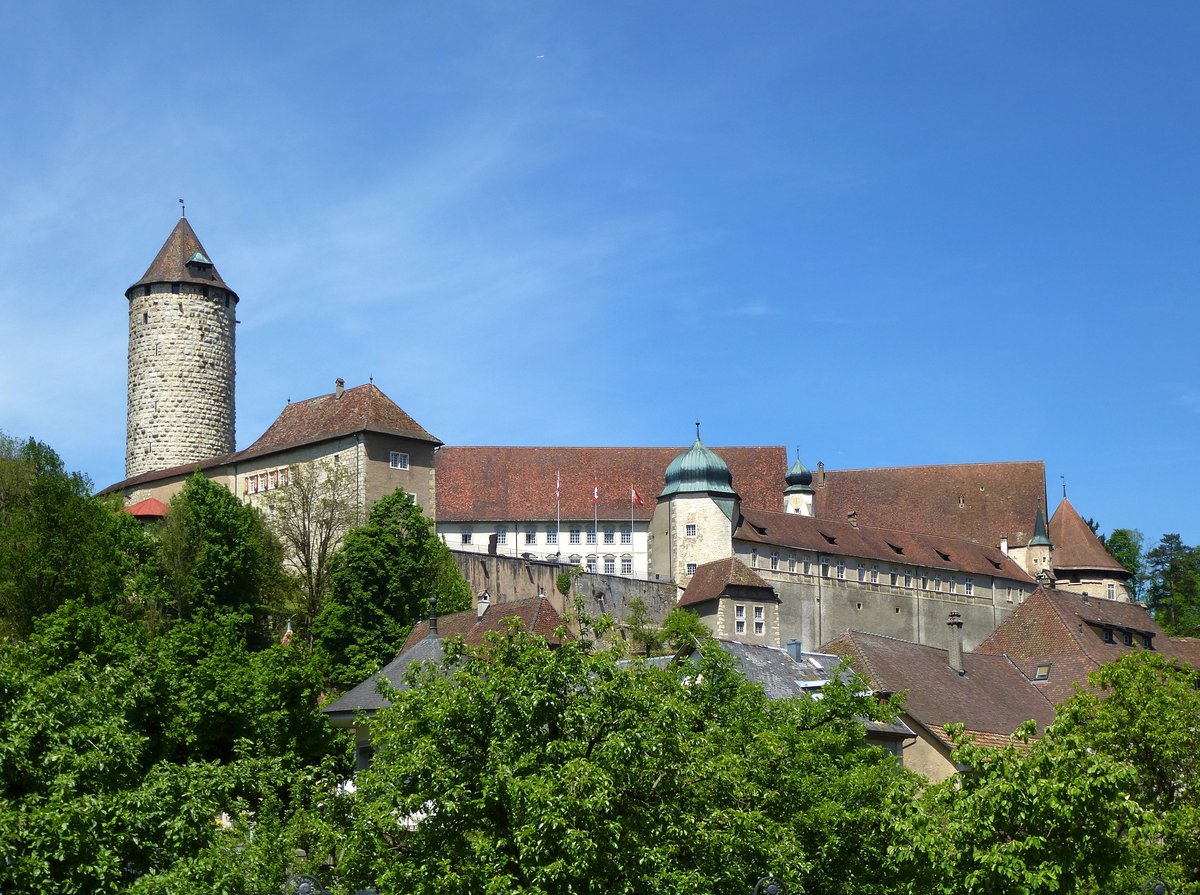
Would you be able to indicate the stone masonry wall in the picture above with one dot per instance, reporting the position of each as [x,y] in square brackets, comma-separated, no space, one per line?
[181,376]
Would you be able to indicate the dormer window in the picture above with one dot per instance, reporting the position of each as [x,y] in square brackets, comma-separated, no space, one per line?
[1108,636]
[1127,638]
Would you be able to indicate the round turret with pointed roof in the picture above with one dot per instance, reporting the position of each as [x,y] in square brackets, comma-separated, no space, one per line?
[698,469]
[798,478]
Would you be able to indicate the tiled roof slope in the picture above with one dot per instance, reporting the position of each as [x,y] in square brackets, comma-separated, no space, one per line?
[712,579]
[1063,630]
[363,408]
[170,264]
[536,614]
[517,483]
[366,696]
[150,508]
[1075,547]
[184,469]
[997,499]
[992,697]
[844,539]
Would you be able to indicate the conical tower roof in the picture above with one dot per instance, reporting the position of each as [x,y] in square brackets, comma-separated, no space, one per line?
[1040,537]
[698,469]
[182,259]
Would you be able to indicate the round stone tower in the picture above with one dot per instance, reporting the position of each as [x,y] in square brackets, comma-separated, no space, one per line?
[182,318]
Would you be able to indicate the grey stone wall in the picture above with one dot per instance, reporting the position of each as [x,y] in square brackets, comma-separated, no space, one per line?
[181,376]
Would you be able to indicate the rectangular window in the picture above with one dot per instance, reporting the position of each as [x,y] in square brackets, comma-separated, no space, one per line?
[969,587]
[758,613]
[591,564]
[551,536]
[691,568]
[924,582]
[754,559]
[953,584]
[775,561]
[825,568]
[739,611]
[759,628]
[862,573]
[247,480]
[398,460]
[626,535]
[466,536]
[531,536]
[610,536]
[791,564]
[841,568]
[895,579]
[626,565]
[690,529]
[291,475]
[807,567]
[610,565]
[573,536]
[739,627]
[1112,591]
[1042,673]
[874,575]
[262,481]
[502,537]
[908,579]
[273,480]
[591,535]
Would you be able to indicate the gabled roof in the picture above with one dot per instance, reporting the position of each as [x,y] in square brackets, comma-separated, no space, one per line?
[1065,630]
[363,408]
[1076,547]
[493,484]
[905,548]
[991,698]
[170,265]
[726,577]
[974,501]
[422,645]
[150,508]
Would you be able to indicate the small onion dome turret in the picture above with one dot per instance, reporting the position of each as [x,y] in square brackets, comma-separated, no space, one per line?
[799,479]
[698,469]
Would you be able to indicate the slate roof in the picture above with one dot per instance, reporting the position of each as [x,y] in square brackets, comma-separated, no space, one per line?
[363,408]
[729,576]
[888,546]
[170,264]
[518,483]
[997,499]
[422,645]
[991,700]
[1065,630]
[1076,547]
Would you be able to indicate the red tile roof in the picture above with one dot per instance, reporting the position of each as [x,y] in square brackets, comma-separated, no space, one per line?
[361,409]
[1075,547]
[974,501]
[725,577]
[517,483]
[150,508]
[992,697]
[844,539]
[170,264]
[537,616]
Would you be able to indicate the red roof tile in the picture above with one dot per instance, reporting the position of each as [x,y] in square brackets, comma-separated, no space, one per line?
[991,697]
[974,501]
[150,508]
[844,539]
[170,265]
[361,409]
[537,616]
[1075,547]
[722,577]
[517,483]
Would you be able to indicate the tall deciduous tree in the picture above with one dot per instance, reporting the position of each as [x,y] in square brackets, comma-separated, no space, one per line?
[310,517]
[521,769]
[380,583]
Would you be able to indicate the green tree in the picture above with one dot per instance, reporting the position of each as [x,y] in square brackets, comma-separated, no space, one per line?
[517,768]
[310,517]
[682,628]
[217,552]
[1125,546]
[380,582]
[1173,585]
[642,630]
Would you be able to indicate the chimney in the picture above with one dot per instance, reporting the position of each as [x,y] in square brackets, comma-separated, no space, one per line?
[485,600]
[954,622]
[433,614]
[338,387]
[793,648]
[821,474]
[1004,544]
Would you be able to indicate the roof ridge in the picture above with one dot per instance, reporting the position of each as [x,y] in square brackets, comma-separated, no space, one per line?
[940,465]
[899,531]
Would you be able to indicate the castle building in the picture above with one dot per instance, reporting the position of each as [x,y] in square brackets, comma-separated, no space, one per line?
[182,324]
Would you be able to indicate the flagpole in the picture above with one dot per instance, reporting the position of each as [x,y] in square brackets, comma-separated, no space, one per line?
[632,491]
[596,517]
[558,510]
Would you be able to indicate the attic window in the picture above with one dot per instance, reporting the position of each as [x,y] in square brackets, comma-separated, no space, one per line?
[1042,673]
[1127,638]
[828,538]
[1148,641]
[945,556]
[1108,636]
[995,564]
[898,550]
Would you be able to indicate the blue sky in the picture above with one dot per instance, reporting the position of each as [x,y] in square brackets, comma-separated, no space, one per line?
[891,233]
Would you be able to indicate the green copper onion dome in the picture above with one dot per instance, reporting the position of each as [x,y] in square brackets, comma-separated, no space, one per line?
[698,469]
[799,479]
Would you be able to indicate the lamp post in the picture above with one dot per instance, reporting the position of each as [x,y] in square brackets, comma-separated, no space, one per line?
[769,885]
[1155,886]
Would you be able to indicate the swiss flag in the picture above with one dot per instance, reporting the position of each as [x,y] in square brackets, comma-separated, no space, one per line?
[636,498]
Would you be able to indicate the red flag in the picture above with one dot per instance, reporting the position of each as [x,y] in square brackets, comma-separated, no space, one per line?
[636,498]
[596,492]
